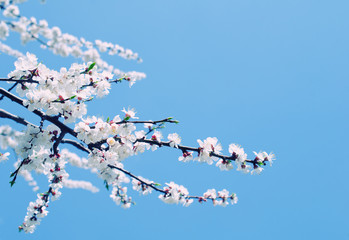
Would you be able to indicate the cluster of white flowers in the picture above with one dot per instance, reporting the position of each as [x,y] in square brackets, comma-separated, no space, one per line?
[34,147]
[101,160]
[11,11]
[210,151]
[186,157]
[174,139]
[61,93]
[94,129]
[175,193]
[144,186]
[37,209]
[119,196]
[64,44]
[208,146]
[239,156]
[221,198]
[10,138]
[260,158]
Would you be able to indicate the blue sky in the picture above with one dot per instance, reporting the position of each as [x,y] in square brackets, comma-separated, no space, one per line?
[269,75]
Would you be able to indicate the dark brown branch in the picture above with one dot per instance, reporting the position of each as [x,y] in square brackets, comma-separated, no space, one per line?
[54,120]
[76,144]
[169,120]
[149,121]
[18,80]
[15,173]
[57,142]
[135,177]
[5,114]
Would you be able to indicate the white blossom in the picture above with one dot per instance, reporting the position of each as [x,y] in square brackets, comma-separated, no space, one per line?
[174,139]
[175,194]
[4,156]
[186,157]
[141,187]
[111,141]
[224,165]
[208,146]
[257,170]
[119,196]
[11,11]
[130,113]
[238,152]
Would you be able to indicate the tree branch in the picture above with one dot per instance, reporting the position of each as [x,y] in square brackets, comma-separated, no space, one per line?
[57,142]
[149,121]
[5,114]
[181,147]
[153,186]
[186,148]
[135,177]
[76,144]
[54,120]
[18,80]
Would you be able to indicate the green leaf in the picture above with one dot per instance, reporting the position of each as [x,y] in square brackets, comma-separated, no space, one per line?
[91,66]
[12,183]
[157,184]
[12,174]
[106,185]
[72,97]
[176,122]
[107,119]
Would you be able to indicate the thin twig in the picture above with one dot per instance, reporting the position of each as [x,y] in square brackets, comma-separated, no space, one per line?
[153,186]
[10,89]
[76,144]
[149,121]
